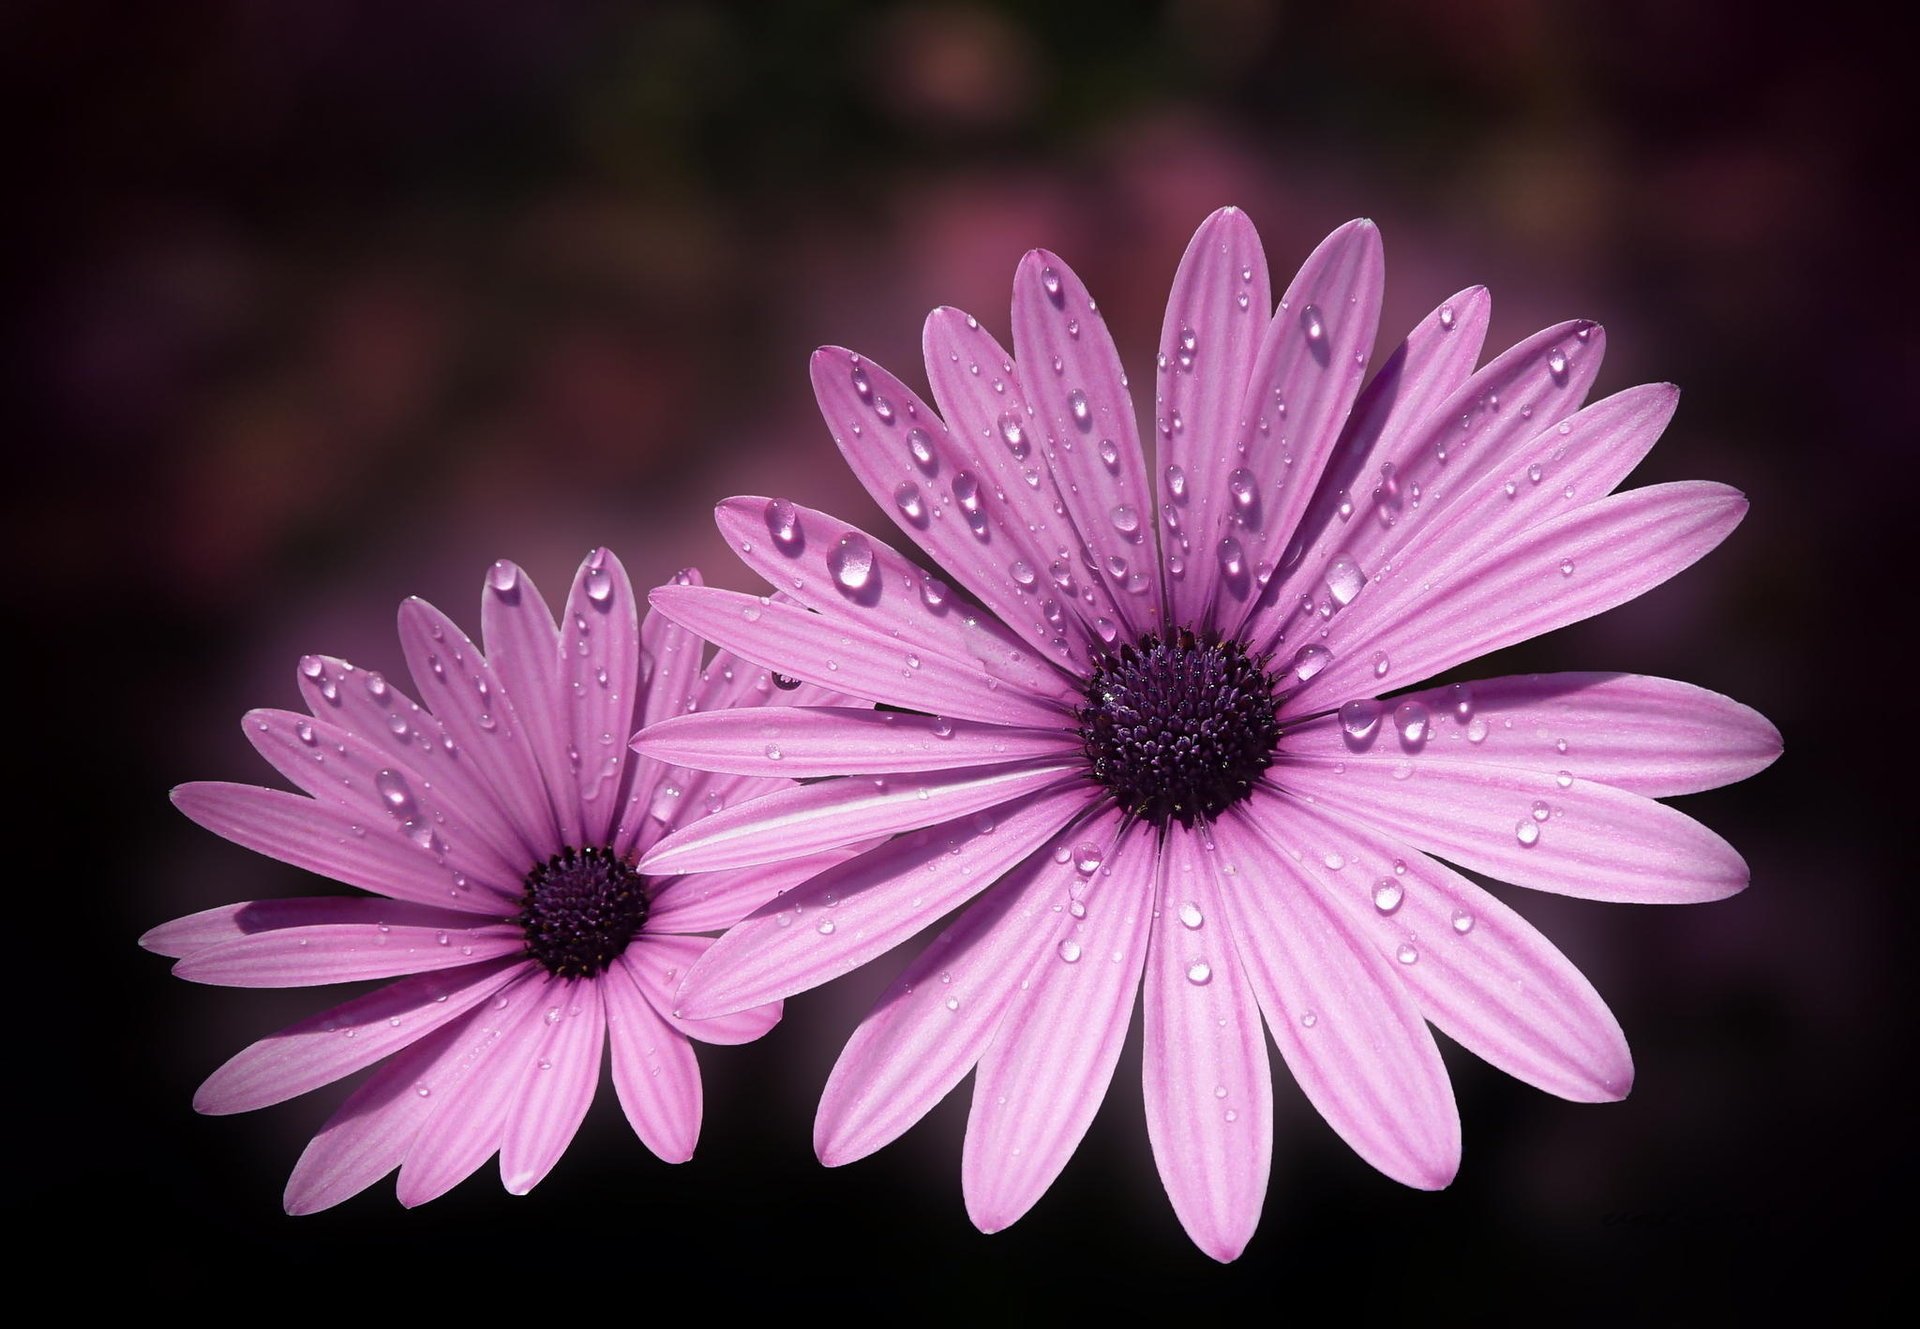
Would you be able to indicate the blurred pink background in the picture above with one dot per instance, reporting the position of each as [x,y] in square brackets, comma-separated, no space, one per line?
[326,304]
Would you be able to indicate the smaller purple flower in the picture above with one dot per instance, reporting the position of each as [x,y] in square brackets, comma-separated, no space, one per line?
[497,826]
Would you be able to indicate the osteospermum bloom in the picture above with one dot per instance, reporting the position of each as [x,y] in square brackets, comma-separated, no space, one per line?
[497,826]
[1155,742]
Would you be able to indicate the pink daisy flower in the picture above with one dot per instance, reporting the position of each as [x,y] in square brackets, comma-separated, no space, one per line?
[1155,742]
[497,825]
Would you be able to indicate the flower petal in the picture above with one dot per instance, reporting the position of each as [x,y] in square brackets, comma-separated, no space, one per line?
[334,843]
[1303,383]
[1477,969]
[657,964]
[387,795]
[1077,395]
[810,818]
[1207,350]
[916,467]
[1426,368]
[1571,567]
[600,669]
[485,734]
[934,1020]
[1648,736]
[337,1042]
[1209,1091]
[810,741]
[523,646]
[670,659]
[857,659]
[1047,1070]
[706,901]
[845,574]
[557,1087]
[346,952]
[229,922]
[1584,839]
[1345,1024]
[853,912]
[655,1074]
[369,1135]
[464,1128]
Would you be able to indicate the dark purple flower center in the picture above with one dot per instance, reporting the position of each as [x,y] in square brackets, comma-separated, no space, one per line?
[1179,729]
[581,908]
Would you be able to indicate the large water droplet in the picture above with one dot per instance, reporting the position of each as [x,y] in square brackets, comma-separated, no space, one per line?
[783,523]
[1086,858]
[1358,717]
[851,562]
[1070,951]
[1125,519]
[1176,482]
[395,792]
[1410,717]
[1387,895]
[1232,557]
[1014,435]
[1462,922]
[920,444]
[503,577]
[1190,915]
[1527,832]
[1344,578]
[599,586]
[1310,660]
[1199,972]
[1311,323]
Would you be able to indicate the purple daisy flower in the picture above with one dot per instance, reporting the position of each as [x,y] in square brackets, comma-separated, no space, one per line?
[498,825]
[1162,760]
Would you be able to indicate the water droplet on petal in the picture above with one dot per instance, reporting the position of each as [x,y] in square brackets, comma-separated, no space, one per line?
[1344,579]
[1070,951]
[1446,317]
[1190,914]
[503,577]
[1462,922]
[1406,954]
[1410,717]
[907,498]
[1077,404]
[1311,323]
[1358,717]
[783,523]
[1199,973]
[1176,481]
[920,444]
[1125,519]
[851,562]
[1527,833]
[1086,858]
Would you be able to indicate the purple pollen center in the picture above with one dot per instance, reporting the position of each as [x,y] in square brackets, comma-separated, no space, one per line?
[581,908]
[1179,729]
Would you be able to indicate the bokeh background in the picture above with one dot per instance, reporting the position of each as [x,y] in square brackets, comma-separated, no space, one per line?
[325,304]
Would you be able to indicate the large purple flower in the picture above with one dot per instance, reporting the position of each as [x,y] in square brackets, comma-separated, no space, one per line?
[498,826]
[1166,758]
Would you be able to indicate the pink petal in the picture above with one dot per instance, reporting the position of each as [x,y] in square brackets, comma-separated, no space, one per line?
[844,573]
[1078,395]
[338,1042]
[1571,567]
[556,1087]
[807,819]
[670,659]
[346,953]
[996,439]
[1311,361]
[802,742]
[1042,1079]
[855,658]
[1475,968]
[851,913]
[1209,1091]
[389,797]
[1648,736]
[654,1071]
[600,672]
[1456,446]
[369,1135]
[914,466]
[708,901]
[1344,1022]
[933,1022]
[228,922]
[523,646]
[1200,389]
[488,744]
[657,964]
[1426,368]
[335,843]
[1587,840]
[464,1129]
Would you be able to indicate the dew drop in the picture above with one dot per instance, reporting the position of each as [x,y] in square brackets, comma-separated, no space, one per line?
[1358,717]
[599,585]
[1086,858]
[1014,435]
[1462,922]
[1527,833]
[1311,323]
[1310,660]
[1176,482]
[1564,779]
[1244,488]
[920,444]
[1309,1020]
[1199,972]
[1410,717]
[1190,914]
[1344,579]
[1407,954]
[851,562]
[1476,730]
[1566,567]
[1557,365]
[1381,664]
[1446,317]
[783,523]
[1070,951]
[1125,519]
[503,577]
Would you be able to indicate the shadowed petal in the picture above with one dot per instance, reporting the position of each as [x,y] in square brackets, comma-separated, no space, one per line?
[346,952]
[1345,1024]
[322,1048]
[335,843]
[1475,968]
[556,1087]
[800,742]
[933,1022]
[229,922]
[1045,1074]
[654,1071]
[851,913]
[1648,736]
[600,668]
[708,901]
[810,818]
[855,658]
[657,966]
[1209,1091]
[523,646]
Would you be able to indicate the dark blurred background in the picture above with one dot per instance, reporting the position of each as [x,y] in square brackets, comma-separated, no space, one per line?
[324,304]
